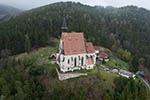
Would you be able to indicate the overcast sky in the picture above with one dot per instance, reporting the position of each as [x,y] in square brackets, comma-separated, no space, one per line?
[28,4]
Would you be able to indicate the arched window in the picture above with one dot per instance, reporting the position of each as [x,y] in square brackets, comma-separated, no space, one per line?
[68,61]
[63,59]
[75,62]
[82,61]
[87,57]
[91,56]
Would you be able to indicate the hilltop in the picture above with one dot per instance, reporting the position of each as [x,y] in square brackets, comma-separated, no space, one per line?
[6,10]
[42,77]
[28,39]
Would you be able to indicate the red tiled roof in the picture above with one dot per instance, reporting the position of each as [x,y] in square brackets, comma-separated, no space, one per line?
[53,55]
[89,48]
[64,35]
[102,55]
[73,43]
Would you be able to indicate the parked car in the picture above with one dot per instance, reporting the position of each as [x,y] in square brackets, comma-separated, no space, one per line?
[126,74]
[115,71]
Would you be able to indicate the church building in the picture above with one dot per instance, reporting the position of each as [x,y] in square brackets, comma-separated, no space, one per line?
[74,53]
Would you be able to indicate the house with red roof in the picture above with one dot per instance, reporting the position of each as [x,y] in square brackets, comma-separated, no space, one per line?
[103,56]
[74,53]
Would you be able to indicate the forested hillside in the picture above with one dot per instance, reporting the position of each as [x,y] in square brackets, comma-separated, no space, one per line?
[126,27]
[7,10]
[26,73]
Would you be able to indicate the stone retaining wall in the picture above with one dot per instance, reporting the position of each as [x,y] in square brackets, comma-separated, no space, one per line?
[69,75]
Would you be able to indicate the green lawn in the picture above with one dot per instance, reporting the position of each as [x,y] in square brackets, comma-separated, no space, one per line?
[114,62]
[41,55]
[106,76]
[44,53]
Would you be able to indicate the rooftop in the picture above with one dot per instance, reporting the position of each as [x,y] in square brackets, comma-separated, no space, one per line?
[74,44]
[89,47]
[103,55]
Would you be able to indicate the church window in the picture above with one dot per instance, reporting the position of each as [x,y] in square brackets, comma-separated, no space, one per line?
[63,59]
[87,57]
[82,61]
[75,62]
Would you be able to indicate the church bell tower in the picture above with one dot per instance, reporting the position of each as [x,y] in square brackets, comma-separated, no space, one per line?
[64,27]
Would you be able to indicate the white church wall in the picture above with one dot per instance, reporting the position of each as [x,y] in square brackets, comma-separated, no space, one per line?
[93,57]
[65,66]
[71,65]
[61,45]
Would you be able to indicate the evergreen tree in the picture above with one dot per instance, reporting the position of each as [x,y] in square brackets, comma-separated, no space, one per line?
[27,44]
[135,64]
[107,97]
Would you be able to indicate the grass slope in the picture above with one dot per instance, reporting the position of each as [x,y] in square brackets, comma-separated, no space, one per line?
[114,62]
[98,79]
[41,56]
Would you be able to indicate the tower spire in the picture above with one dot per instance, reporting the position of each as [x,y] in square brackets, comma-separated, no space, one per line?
[64,27]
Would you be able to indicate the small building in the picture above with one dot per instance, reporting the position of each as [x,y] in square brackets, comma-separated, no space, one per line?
[103,56]
[52,56]
[141,73]
[147,77]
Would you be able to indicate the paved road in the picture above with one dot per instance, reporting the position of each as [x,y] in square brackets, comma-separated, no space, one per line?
[103,66]
[147,84]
